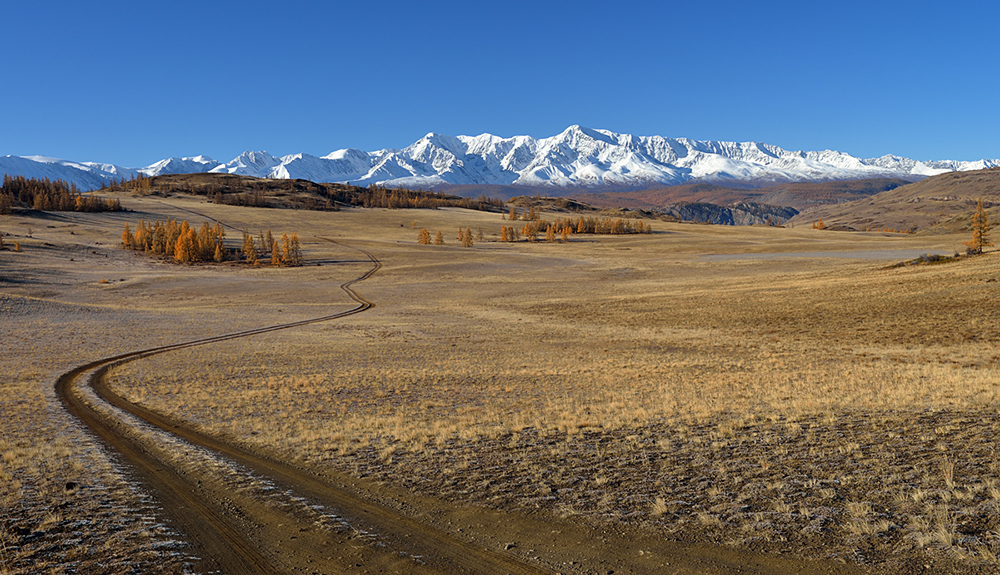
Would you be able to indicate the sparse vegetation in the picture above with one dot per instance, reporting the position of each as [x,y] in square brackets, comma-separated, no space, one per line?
[823,407]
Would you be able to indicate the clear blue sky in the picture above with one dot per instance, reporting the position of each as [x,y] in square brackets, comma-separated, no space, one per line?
[133,82]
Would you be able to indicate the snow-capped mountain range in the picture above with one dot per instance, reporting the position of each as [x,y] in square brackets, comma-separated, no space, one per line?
[578,157]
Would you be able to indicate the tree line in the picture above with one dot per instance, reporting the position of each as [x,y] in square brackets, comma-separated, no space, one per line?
[560,229]
[182,243]
[464,237]
[286,253]
[565,227]
[397,198]
[50,196]
[233,189]
[139,185]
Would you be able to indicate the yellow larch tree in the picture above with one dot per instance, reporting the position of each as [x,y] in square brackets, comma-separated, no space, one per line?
[296,250]
[249,249]
[980,230]
[286,249]
[128,240]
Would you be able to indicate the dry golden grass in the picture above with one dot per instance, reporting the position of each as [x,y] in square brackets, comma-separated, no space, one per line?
[64,506]
[940,204]
[820,405]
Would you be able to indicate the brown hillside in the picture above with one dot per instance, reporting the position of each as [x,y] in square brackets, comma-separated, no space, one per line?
[658,197]
[800,195]
[550,204]
[939,204]
[241,190]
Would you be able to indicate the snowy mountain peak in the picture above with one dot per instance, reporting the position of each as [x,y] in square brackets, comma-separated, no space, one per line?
[577,156]
[249,164]
[180,166]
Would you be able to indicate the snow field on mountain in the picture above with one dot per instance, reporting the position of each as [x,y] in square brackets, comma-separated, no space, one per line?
[576,157]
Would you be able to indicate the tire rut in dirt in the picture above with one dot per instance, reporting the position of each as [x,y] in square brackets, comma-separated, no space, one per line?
[253,538]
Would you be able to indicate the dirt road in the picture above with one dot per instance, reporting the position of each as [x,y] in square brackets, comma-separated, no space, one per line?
[247,512]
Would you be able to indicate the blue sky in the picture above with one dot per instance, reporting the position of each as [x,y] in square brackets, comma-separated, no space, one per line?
[133,82]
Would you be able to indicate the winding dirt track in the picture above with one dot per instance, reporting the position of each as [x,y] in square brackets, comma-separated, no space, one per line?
[274,529]
[236,533]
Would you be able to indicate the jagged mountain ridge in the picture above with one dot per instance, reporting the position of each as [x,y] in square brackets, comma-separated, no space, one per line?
[577,157]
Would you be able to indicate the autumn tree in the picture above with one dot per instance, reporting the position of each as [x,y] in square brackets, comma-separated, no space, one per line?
[128,240]
[296,250]
[249,250]
[184,248]
[424,236]
[142,239]
[550,234]
[286,249]
[439,239]
[262,246]
[275,254]
[819,225]
[220,232]
[159,242]
[980,231]
[467,238]
[205,245]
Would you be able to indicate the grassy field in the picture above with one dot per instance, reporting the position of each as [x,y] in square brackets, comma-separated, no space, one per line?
[706,383]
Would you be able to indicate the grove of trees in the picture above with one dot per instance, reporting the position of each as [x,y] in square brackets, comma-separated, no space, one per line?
[183,244]
[564,227]
[50,196]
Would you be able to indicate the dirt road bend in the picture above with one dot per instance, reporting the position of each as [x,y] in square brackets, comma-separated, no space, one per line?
[251,516]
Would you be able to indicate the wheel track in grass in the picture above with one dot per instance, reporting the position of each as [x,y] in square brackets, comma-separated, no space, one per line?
[237,534]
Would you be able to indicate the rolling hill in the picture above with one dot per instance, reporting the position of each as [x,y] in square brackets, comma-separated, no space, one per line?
[939,204]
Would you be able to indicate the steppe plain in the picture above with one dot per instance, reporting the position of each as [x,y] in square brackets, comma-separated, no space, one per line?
[775,399]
